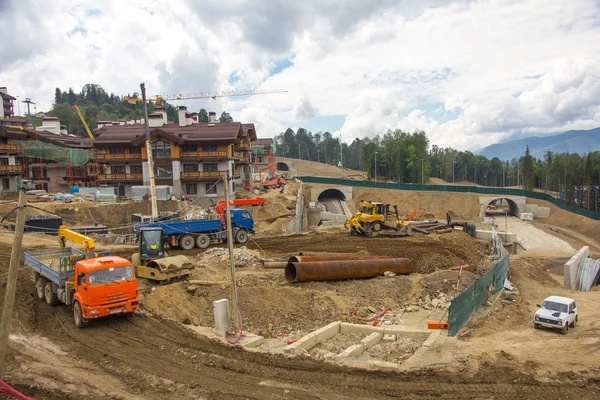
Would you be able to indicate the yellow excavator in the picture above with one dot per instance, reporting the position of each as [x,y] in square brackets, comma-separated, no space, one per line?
[376,219]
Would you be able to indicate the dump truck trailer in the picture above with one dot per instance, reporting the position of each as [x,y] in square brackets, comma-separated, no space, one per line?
[94,287]
[202,233]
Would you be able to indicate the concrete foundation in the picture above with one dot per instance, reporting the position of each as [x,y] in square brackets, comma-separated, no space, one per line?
[571,267]
[487,235]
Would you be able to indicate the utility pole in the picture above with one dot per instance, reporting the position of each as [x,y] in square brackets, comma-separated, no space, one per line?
[28,102]
[453,162]
[376,166]
[149,152]
[319,160]
[503,178]
[234,298]
[11,281]
[342,155]
[519,173]
[422,171]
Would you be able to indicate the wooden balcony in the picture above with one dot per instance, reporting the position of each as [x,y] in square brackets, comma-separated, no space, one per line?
[9,147]
[120,177]
[203,174]
[124,156]
[242,160]
[10,169]
[204,154]
[243,147]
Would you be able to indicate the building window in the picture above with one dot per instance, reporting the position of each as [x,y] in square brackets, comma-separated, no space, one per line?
[210,167]
[190,167]
[117,150]
[5,184]
[209,147]
[135,150]
[260,159]
[136,169]
[211,188]
[163,172]
[117,169]
[161,149]
[189,148]
[3,140]
[191,188]
[3,161]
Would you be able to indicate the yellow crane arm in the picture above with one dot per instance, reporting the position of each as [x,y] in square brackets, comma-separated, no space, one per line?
[64,234]
[87,128]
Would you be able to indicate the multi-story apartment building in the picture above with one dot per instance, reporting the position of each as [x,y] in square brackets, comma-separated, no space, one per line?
[263,154]
[7,107]
[191,157]
[9,157]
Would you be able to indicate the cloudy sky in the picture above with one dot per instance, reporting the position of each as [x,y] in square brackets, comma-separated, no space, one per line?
[469,73]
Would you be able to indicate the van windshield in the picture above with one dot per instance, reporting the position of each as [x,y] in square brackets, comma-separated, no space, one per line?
[551,305]
[108,275]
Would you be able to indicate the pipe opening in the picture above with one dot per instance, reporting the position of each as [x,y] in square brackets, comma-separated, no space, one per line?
[290,272]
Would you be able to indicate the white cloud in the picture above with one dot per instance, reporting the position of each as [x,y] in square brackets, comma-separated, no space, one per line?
[467,72]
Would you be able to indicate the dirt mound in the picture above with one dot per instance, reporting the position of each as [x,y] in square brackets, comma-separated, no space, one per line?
[525,267]
[445,282]
[586,226]
[460,205]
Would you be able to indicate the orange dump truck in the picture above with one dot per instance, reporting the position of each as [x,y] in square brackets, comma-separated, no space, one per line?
[93,287]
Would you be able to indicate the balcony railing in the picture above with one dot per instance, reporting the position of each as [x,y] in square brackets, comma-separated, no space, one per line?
[124,156]
[242,160]
[10,168]
[243,147]
[205,154]
[203,174]
[120,177]
[9,147]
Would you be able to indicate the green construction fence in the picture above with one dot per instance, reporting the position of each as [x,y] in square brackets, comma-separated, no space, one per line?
[471,299]
[453,188]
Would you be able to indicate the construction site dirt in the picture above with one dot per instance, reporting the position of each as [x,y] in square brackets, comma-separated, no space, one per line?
[157,353]
[152,355]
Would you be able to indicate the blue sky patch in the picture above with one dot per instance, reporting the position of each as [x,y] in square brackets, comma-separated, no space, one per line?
[280,65]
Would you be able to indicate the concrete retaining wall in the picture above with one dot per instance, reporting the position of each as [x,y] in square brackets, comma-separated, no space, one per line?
[571,267]
[296,223]
[537,211]
[333,217]
[487,235]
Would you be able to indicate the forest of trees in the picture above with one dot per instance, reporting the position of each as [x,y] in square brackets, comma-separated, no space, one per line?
[98,105]
[404,157]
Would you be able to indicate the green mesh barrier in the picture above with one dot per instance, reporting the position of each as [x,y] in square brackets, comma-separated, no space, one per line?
[465,304]
[258,150]
[51,152]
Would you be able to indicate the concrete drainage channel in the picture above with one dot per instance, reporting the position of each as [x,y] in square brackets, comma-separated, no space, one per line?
[353,345]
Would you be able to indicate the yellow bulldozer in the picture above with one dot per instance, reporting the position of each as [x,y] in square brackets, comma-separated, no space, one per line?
[376,219]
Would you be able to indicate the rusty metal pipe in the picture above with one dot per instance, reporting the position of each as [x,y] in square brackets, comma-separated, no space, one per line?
[335,258]
[345,269]
[275,264]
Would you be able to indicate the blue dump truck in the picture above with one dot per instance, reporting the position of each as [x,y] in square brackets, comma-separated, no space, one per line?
[202,233]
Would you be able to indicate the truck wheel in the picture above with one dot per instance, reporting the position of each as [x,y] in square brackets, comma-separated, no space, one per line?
[202,241]
[50,295]
[536,326]
[187,242]
[241,237]
[565,329]
[80,322]
[40,286]
[573,324]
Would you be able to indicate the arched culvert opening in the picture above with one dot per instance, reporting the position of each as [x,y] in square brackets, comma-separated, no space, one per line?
[281,166]
[332,194]
[332,199]
[502,206]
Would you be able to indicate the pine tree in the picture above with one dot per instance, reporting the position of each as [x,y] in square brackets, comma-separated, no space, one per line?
[528,170]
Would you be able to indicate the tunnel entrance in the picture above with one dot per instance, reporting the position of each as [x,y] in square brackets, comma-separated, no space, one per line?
[502,206]
[331,194]
[281,166]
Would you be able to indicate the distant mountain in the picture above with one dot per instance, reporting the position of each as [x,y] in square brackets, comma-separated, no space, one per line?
[570,141]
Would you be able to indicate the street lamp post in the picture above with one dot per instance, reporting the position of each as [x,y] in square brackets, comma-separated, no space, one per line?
[503,177]
[376,166]
[422,171]
[453,163]
[319,160]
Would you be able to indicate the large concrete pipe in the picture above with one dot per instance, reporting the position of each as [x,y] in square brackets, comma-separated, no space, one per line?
[335,258]
[345,269]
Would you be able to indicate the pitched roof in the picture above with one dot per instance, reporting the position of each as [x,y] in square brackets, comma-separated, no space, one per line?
[14,133]
[250,130]
[194,133]
[75,142]
[265,142]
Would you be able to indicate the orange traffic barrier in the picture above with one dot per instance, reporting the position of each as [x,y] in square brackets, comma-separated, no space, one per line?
[437,325]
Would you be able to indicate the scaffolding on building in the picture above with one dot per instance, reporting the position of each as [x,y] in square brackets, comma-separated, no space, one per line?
[56,168]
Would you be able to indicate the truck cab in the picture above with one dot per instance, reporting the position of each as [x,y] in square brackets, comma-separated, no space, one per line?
[102,286]
[556,312]
[242,219]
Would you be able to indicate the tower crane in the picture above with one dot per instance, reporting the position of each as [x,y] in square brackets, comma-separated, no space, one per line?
[159,99]
[85,125]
